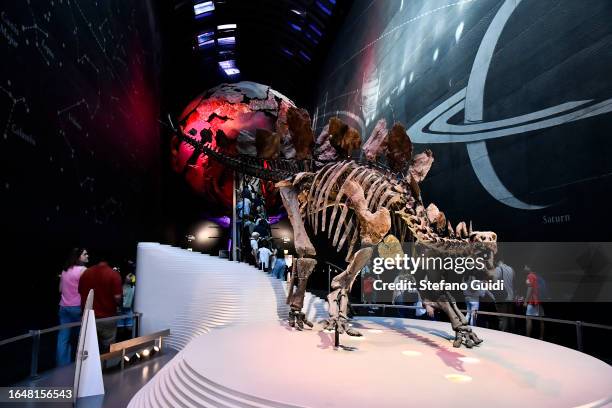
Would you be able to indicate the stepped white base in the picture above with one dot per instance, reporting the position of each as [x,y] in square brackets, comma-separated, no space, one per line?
[398,363]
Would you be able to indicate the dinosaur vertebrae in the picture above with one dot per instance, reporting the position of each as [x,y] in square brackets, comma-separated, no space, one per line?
[333,185]
[239,164]
[460,244]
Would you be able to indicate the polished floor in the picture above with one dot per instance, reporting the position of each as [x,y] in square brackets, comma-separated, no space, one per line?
[120,385]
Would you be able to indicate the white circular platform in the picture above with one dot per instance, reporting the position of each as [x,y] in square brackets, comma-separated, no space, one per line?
[398,363]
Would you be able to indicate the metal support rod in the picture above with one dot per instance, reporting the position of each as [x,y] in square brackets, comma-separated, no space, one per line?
[134,319]
[35,352]
[234,243]
[579,335]
[328,279]
[336,337]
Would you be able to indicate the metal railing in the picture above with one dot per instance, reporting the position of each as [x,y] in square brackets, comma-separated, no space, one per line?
[578,323]
[35,335]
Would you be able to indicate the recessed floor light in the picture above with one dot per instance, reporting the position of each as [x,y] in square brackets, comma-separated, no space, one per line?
[458,378]
[470,360]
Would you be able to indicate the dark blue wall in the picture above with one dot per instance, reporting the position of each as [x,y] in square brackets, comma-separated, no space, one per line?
[543,67]
[79,146]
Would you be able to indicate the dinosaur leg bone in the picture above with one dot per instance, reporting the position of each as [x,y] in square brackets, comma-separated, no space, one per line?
[341,286]
[374,226]
[303,266]
[303,246]
[463,332]
[295,299]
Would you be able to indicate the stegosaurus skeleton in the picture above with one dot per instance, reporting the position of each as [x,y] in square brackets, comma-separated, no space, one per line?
[366,203]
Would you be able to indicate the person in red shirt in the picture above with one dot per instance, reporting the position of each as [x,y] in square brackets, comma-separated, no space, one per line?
[532,302]
[106,284]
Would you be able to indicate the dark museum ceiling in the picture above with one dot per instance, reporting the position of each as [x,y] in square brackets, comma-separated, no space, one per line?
[280,43]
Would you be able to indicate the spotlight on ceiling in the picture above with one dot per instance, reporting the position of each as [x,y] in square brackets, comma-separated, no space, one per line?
[156,349]
[324,9]
[203,8]
[146,352]
[227,27]
[229,67]
[227,64]
[205,39]
[314,40]
[226,40]
[298,12]
[315,29]
[305,56]
[231,71]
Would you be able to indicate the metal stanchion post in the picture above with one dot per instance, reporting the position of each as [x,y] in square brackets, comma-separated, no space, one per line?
[134,319]
[35,351]
[579,335]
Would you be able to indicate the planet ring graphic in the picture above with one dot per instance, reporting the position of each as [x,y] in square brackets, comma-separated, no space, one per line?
[434,127]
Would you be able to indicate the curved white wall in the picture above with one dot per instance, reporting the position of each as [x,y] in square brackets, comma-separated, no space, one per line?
[190,293]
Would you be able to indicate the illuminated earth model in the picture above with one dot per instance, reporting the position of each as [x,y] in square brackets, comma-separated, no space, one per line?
[245,118]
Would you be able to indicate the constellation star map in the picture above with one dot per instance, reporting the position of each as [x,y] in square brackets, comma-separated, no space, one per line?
[78,110]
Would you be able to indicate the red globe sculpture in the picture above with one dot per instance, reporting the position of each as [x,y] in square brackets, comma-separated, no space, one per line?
[226,118]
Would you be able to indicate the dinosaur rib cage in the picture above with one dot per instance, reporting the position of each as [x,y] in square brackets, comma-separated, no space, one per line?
[326,188]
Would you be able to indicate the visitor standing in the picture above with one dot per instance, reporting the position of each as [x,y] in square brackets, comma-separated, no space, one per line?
[128,300]
[243,207]
[262,227]
[472,299]
[246,191]
[249,226]
[264,257]
[254,247]
[532,301]
[505,273]
[70,303]
[368,293]
[106,284]
[407,297]
[278,271]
